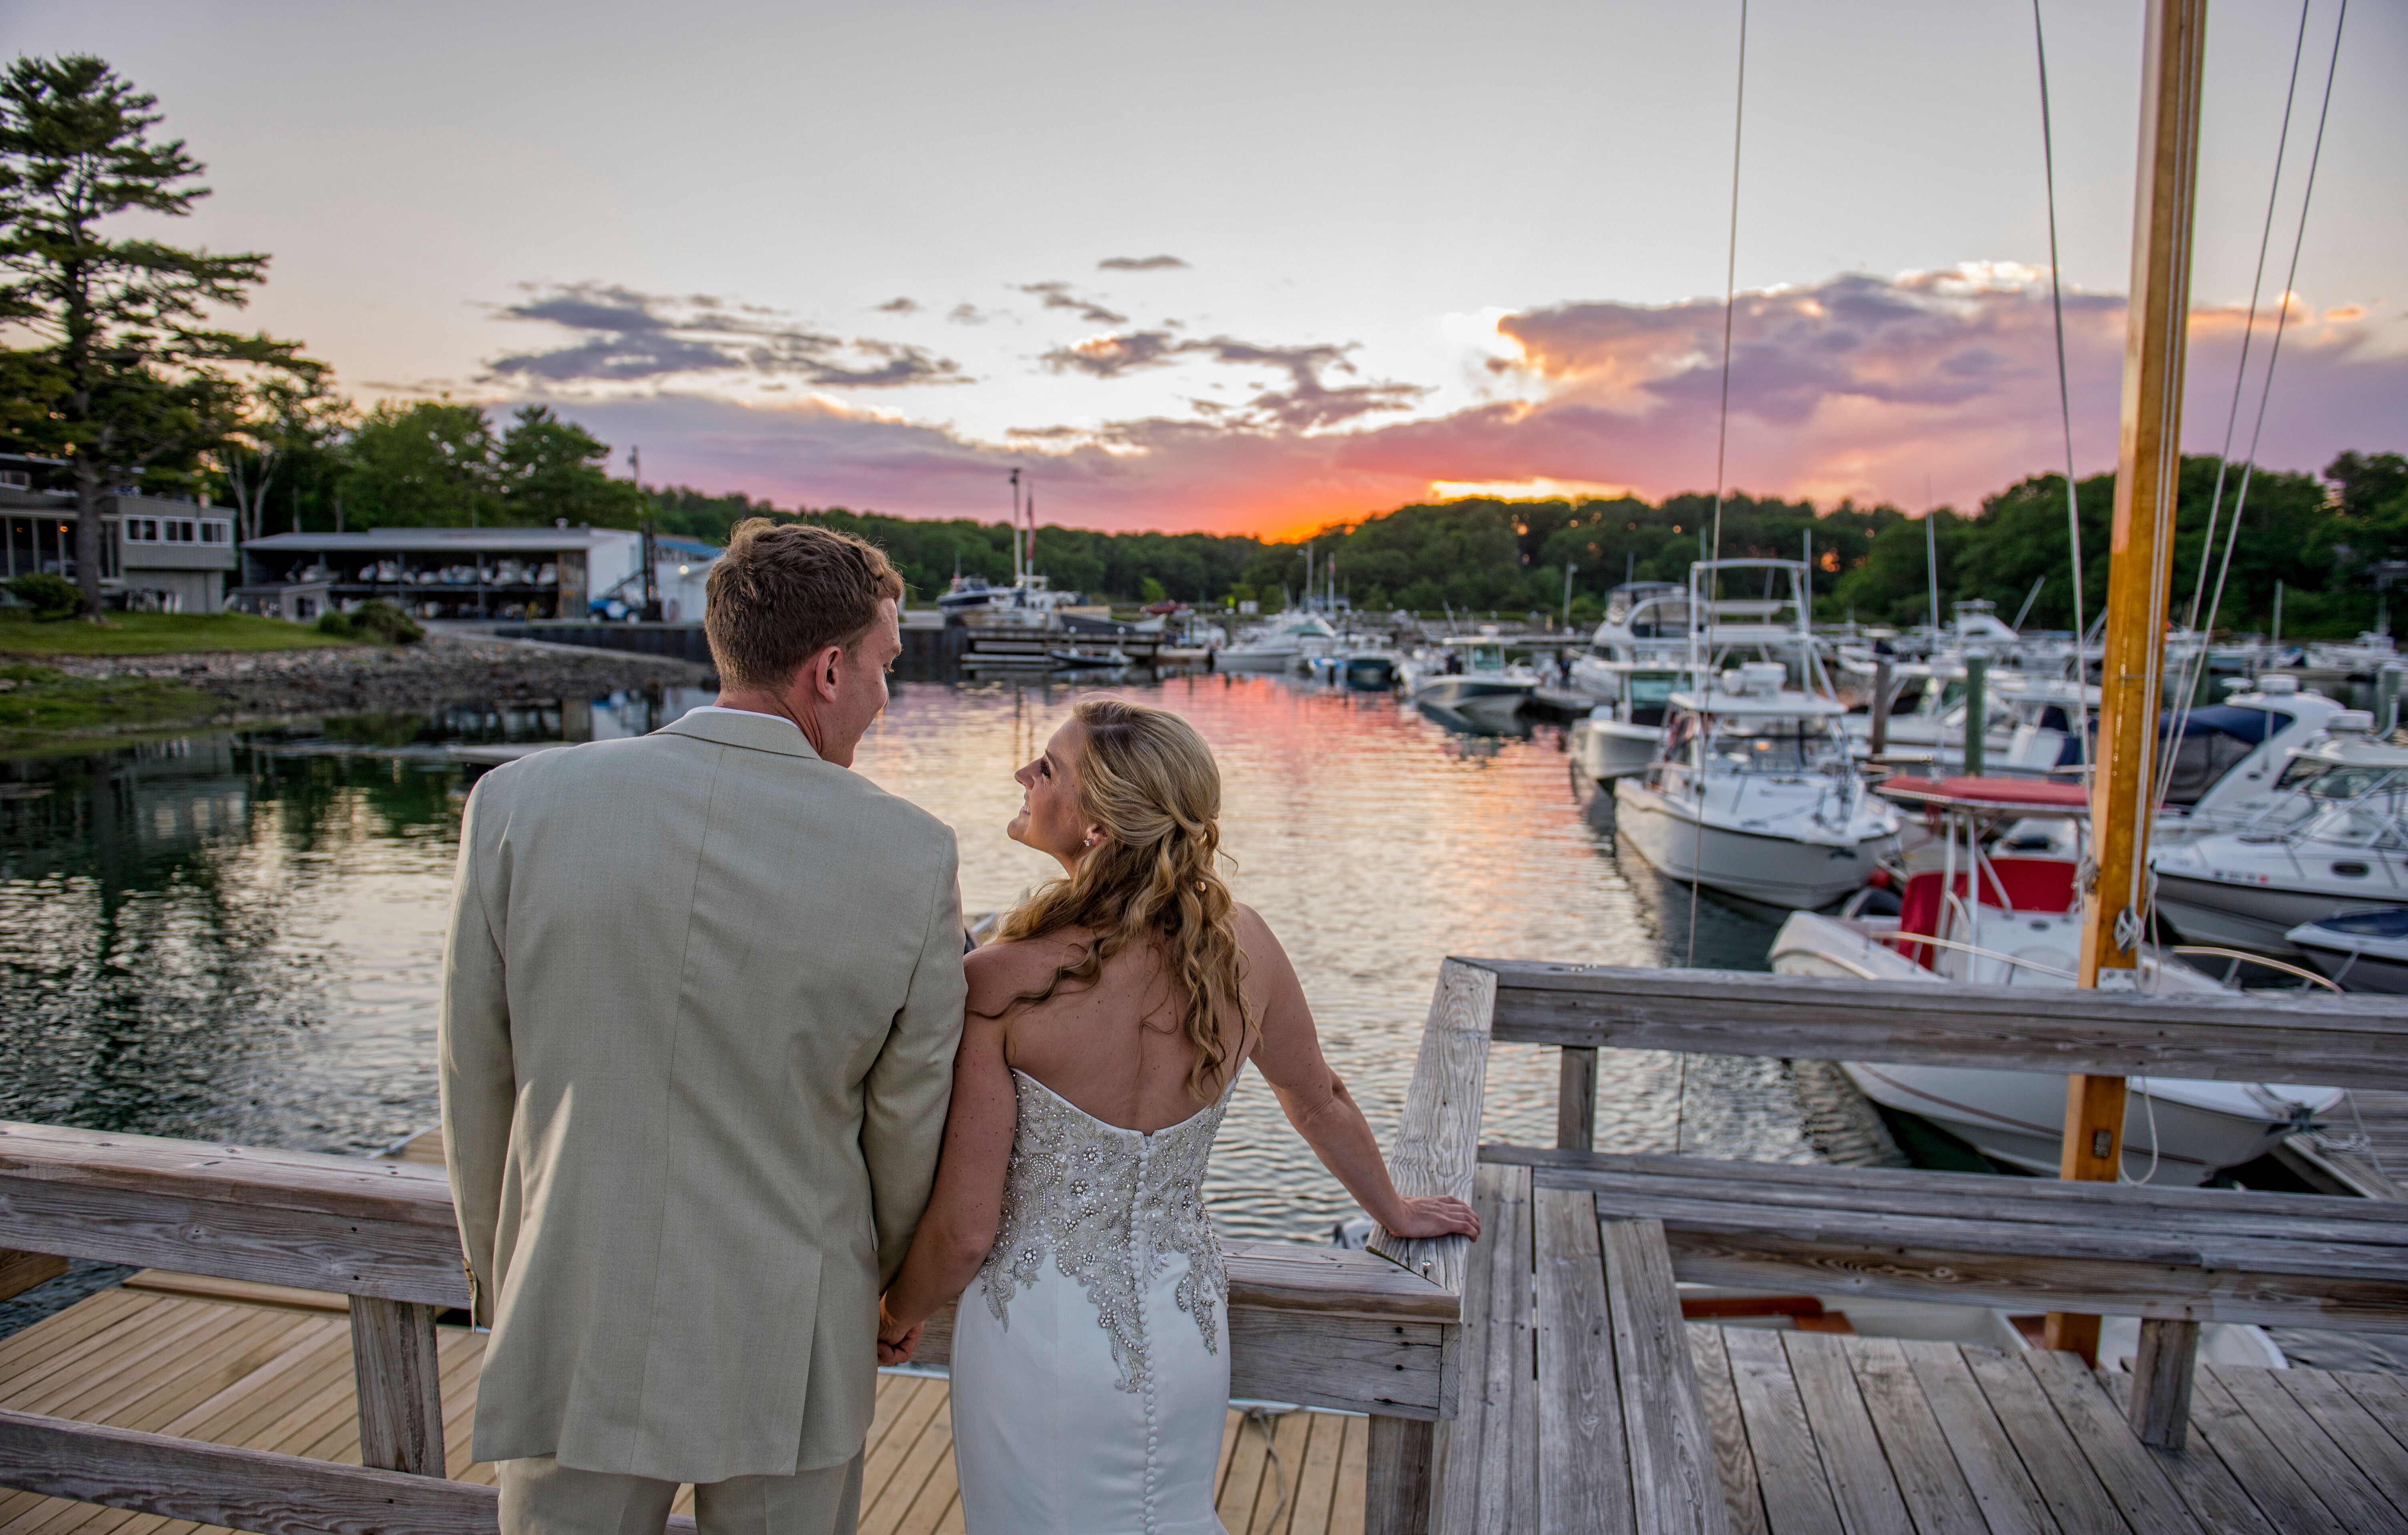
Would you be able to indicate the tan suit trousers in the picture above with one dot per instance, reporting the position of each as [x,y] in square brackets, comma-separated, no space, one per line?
[542,1497]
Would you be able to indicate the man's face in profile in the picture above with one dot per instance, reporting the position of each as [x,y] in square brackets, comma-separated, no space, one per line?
[861,684]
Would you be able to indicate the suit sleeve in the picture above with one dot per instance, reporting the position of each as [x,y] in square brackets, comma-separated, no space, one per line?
[479,1086]
[911,1086]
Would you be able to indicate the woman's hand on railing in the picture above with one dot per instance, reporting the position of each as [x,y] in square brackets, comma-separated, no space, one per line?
[1432,1215]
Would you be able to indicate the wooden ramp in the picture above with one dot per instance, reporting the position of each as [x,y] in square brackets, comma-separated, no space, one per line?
[269,1368]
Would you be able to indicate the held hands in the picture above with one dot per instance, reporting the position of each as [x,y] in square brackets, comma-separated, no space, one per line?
[895,1341]
[1433,1215]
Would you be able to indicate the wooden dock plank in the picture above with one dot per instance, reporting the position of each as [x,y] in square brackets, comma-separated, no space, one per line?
[2375,1452]
[1741,1498]
[1675,1478]
[2384,1396]
[1241,1483]
[1346,1509]
[1584,1464]
[1316,1478]
[2355,1503]
[1933,1487]
[1470,1499]
[2214,1495]
[2271,1481]
[1437,1139]
[2073,1493]
[1863,1487]
[1796,1496]
[1994,1473]
[2147,1501]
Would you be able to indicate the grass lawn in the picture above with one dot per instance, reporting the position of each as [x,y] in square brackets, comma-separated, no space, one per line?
[154,634]
[39,705]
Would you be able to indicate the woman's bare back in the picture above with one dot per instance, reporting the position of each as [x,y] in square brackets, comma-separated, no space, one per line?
[1113,1048]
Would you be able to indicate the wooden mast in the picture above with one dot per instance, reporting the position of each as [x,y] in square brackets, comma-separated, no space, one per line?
[2148,469]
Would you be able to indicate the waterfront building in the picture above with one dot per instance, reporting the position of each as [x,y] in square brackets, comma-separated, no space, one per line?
[156,554]
[514,573]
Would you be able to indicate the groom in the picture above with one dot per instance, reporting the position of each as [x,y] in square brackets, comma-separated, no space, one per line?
[700,1001]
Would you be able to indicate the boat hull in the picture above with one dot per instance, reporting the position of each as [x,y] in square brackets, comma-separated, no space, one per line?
[1775,871]
[2353,971]
[2018,1117]
[2247,916]
[1479,698]
[1609,749]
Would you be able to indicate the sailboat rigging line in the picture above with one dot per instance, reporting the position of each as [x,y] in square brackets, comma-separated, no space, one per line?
[2197,662]
[1730,276]
[2273,351]
[1722,443]
[2064,394]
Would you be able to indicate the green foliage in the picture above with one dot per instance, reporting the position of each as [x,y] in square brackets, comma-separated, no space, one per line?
[373,619]
[154,634]
[38,704]
[1151,591]
[123,378]
[51,598]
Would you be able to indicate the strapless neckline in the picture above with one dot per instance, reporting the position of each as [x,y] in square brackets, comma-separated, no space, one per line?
[1213,1107]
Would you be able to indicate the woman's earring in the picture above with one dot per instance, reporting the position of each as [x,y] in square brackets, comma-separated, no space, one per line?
[1089,842]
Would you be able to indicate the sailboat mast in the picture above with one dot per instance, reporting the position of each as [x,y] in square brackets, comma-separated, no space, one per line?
[2148,469]
[1015,527]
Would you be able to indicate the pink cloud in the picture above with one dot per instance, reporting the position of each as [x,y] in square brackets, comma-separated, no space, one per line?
[1858,386]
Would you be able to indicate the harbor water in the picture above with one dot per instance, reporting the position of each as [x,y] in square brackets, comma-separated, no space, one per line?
[237,937]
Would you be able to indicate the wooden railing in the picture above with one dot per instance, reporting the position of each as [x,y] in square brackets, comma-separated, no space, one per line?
[1312,1326]
[2217,1254]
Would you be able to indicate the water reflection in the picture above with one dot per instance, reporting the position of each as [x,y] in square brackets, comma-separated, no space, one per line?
[239,936]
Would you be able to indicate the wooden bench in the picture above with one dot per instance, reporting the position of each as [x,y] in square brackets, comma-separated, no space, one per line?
[1312,1326]
[2174,1257]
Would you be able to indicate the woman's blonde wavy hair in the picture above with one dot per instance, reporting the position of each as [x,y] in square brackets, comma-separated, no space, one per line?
[1150,782]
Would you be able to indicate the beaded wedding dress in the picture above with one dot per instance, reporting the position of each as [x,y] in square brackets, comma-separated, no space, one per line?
[1091,1358]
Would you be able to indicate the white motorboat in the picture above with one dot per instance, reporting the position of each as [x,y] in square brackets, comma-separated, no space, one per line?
[1646,622]
[1281,644]
[2231,760]
[2359,950]
[2333,841]
[1752,791]
[2030,719]
[1029,602]
[1472,676]
[1619,736]
[1984,919]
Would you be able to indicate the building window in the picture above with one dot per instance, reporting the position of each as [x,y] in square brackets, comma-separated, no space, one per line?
[142,530]
[214,533]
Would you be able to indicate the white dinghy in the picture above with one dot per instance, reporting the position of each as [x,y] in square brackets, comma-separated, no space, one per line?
[1984,918]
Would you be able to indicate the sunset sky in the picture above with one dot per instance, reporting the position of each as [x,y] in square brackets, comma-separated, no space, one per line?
[1256,267]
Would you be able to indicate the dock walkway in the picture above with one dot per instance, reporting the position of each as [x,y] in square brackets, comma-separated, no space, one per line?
[267,1368]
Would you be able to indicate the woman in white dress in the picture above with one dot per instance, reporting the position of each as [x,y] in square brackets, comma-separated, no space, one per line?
[1107,1027]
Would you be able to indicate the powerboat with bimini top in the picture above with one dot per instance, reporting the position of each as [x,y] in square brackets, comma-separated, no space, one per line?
[1990,916]
[1619,736]
[2335,839]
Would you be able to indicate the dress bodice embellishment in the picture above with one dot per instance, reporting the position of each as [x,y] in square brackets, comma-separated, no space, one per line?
[1111,1206]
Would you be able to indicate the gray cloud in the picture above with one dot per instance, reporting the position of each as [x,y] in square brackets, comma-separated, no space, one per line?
[1057,295]
[899,305]
[1139,264]
[623,336]
[966,314]
[1306,402]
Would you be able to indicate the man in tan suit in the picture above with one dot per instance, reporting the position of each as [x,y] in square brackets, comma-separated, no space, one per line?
[700,1002]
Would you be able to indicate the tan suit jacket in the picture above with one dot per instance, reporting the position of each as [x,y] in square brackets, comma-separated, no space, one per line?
[700,1002]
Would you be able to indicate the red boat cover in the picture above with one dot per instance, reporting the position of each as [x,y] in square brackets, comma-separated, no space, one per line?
[2037,793]
[2022,884]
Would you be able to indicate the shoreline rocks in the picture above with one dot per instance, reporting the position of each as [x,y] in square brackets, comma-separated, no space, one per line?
[375,679]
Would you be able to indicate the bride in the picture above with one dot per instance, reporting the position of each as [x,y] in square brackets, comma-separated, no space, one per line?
[1107,1028]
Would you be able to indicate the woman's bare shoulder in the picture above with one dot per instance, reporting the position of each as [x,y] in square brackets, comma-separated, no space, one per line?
[1003,970]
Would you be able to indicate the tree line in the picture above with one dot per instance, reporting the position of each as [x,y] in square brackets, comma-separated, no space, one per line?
[124,379]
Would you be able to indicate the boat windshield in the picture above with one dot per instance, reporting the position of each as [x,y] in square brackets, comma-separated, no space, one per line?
[1650,693]
[2336,781]
[1772,743]
[2372,822]
[1480,658]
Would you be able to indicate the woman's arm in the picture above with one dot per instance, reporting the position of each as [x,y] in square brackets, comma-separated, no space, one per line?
[958,1229]
[1317,1102]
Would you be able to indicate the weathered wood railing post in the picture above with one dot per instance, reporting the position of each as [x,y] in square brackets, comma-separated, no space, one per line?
[397,1378]
[1436,1151]
[1576,1099]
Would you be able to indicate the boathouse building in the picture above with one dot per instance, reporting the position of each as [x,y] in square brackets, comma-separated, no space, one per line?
[513,573]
